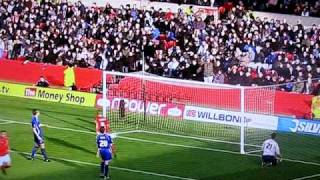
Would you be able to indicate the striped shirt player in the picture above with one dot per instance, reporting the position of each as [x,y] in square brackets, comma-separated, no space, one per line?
[271,151]
[5,161]
[38,136]
[104,144]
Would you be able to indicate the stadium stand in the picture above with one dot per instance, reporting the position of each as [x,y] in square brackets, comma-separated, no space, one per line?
[239,49]
[296,7]
[195,2]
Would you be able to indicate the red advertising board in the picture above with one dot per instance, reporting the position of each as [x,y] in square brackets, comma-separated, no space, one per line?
[152,108]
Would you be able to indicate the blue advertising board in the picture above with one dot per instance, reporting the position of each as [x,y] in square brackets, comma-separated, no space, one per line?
[301,126]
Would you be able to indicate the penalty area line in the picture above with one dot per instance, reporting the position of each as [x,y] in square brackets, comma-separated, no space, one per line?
[4,121]
[161,143]
[9,122]
[113,167]
[307,177]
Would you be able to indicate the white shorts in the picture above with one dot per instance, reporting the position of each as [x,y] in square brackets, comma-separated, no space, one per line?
[5,160]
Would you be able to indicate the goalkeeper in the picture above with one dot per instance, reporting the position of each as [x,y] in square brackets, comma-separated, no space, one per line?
[271,152]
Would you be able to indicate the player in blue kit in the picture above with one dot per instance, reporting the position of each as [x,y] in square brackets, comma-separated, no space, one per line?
[38,136]
[105,151]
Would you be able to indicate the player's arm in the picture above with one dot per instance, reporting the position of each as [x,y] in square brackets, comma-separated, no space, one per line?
[35,131]
[98,153]
[113,147]
[98,149]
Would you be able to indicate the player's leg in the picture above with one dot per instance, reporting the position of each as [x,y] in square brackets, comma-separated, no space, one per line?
[106,158]
[102,169]
[4,167]
[274,161]
[34,151]
[262,161]
[43,152]
[266,160]
[102,164]
[106,169]
[3,170]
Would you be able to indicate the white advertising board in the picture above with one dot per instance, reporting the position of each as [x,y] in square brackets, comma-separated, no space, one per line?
[230,117]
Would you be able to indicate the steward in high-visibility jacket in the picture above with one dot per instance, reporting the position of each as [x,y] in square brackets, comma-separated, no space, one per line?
[315,107]
[69,77]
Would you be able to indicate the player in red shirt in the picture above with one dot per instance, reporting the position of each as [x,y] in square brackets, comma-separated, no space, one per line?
[102,122]
[5,161]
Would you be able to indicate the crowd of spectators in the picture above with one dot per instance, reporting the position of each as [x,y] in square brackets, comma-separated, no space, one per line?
[296,7]
[240,50]
[194,2]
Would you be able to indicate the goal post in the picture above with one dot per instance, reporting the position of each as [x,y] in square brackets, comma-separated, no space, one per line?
[242,126]
[218,113]
[104,93]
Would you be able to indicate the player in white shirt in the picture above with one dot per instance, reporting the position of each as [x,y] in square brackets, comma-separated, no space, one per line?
[271,151]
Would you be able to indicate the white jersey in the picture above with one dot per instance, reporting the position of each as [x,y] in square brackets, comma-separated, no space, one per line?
[270,148]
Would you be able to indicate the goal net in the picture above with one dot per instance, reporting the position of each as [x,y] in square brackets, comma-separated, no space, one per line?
[232,117]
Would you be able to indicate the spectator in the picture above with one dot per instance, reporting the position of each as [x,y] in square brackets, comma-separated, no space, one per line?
[173,67]
[303,8]
[208,71]
[42,82]
[219,78]
[298,86]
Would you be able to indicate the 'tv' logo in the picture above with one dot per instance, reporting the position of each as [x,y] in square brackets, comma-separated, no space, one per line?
[296,123]
[4,90]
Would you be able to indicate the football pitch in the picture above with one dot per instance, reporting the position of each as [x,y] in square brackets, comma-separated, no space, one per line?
[70,141]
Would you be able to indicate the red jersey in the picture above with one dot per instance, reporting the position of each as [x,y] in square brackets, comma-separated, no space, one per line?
[102,121]
[4,146]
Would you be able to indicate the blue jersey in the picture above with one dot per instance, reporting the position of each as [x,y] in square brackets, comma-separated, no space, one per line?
[35,123]
[104,142]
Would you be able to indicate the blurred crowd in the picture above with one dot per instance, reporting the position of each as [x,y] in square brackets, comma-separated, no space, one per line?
[238,50]
[194,2]
[296,7]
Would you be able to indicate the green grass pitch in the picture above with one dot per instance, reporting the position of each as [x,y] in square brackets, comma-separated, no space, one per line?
[70,142]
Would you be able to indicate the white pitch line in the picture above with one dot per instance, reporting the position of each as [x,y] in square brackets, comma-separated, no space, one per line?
[61,128]
[9,122]
[308,177]
[116,168]
[164,143]
[254,151]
